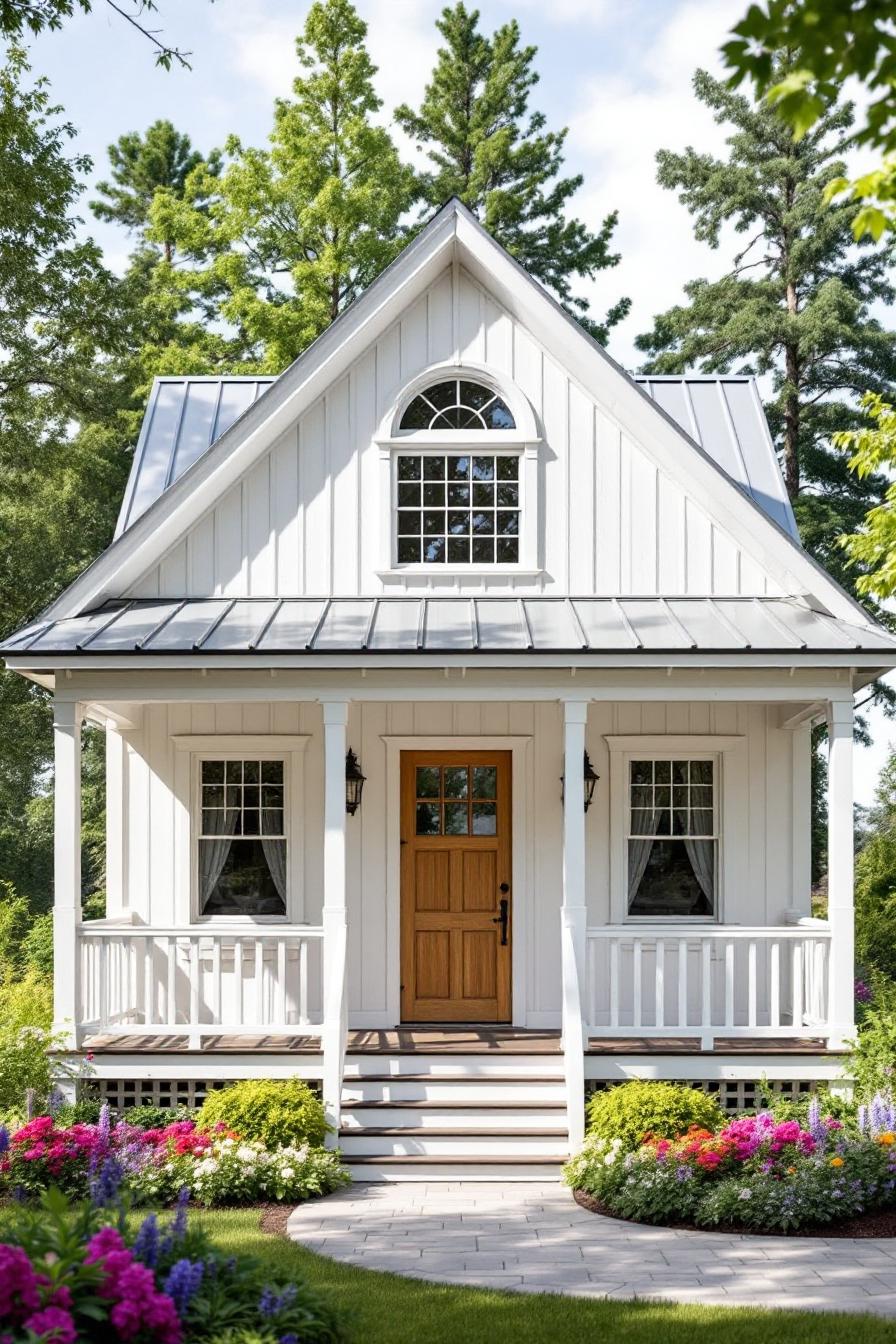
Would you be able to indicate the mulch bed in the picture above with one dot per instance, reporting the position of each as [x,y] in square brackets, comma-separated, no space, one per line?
[881,1223]
[274,1217]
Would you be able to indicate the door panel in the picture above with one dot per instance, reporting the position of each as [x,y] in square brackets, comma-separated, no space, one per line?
[455,872]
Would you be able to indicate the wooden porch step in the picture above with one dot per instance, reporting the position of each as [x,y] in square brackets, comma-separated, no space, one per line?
[450,1160]
[455,1105]
[422,1131]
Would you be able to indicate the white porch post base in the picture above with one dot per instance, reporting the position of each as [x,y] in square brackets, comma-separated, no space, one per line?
[334,914]
[841,998]
[573,918]
[66,870]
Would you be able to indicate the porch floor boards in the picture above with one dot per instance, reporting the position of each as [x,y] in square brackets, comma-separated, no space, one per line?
[465,1040]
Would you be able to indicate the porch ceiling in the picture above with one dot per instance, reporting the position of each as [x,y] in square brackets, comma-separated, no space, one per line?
[454,625]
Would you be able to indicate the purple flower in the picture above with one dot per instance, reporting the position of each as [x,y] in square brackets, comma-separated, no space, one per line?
[4,1139]
[183,1282]
[273,1303]
[863,992]
[106,1183]
[146,1242]
[177,1228]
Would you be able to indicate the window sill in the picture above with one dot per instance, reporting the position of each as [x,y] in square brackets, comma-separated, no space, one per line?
[459,571]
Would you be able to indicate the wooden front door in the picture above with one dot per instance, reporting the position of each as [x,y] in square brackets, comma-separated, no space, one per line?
[455,874]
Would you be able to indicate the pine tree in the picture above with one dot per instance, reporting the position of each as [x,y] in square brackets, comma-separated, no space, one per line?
[290,235]
[162,159]
[796,304]
[487,148]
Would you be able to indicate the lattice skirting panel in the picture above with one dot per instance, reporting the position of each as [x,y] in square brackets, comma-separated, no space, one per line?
[124,1092]
[740,1095]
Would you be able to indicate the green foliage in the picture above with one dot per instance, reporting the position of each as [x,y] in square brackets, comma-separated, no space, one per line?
[288,236]
[155,1117]
[631,1110]
[141,165]
[26,1012]
[872,447]
[486,147]
[830,41]
[83,1112]
[275,1112]
[796,305]
[237,1171]
[872,1063]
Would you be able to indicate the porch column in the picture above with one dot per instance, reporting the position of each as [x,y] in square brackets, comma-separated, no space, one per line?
[573,916]
[334,911]
[841,972]
[66,868]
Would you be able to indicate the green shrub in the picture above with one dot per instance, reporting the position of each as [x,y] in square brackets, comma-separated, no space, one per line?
[631,1110]
[277,1113]
[26,1012]
[83,1112]
[155,1117]
[873,1061]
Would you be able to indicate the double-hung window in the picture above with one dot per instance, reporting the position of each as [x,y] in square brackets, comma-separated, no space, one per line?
[242,859]
[462,480]
[672,837]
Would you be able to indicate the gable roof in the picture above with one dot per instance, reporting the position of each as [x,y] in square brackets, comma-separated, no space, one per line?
[186,415]
[452,235]
[724,414]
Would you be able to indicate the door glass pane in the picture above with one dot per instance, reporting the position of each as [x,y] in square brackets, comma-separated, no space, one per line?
[455,781]
[485,821]
[427,819]
[427,781]
[485,781]
[455,819]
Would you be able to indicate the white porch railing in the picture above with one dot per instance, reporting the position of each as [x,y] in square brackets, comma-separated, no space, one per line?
[135,980]
[708,981]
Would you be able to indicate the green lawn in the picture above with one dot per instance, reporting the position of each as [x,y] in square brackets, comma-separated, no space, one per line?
[385,1309]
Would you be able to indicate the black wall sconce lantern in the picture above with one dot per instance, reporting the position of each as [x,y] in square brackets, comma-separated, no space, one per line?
[589,777]
[354,783]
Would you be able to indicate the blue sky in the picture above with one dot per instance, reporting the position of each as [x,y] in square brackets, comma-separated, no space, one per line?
[617,72]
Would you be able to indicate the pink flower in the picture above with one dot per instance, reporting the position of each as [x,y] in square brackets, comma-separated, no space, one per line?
[54,1325]
[102,1243]
[19,1289]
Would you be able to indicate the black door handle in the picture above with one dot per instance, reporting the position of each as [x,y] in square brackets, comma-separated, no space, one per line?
[502,920]
[505,886]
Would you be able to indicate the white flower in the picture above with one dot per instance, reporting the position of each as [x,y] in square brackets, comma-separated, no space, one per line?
[287,1173]
[246,1154]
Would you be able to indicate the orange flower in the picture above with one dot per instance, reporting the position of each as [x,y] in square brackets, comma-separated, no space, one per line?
[836,1161]
[886,1139]
[791,1171]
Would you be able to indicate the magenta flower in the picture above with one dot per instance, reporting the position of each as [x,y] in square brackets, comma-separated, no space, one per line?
[19,1287]
[54,1325]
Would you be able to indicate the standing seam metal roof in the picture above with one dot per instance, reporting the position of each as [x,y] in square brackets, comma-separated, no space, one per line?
[724,415]
[477,625]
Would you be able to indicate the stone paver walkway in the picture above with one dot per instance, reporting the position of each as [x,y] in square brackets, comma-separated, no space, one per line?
[534,1238]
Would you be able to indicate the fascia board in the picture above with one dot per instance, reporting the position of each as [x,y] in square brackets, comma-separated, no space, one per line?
[165,521]
[646,423]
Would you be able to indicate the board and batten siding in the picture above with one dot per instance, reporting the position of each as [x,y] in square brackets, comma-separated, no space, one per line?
[768,849]
[305,521]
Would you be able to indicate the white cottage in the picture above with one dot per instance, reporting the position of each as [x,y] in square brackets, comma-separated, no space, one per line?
[561,621]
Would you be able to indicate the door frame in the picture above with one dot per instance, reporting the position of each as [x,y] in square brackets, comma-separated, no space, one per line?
[522,840]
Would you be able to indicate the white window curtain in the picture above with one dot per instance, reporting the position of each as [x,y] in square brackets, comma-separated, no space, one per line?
[213,851]
[275,856]
[702,854]
[640,847]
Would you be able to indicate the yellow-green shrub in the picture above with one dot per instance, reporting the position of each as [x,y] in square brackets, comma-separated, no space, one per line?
[631,1110]
[279,1113]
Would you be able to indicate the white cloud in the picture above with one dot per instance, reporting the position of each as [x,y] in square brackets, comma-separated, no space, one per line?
[614,138]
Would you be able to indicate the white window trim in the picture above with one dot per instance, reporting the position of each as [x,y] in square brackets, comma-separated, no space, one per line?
[439,443]
[729,754]
[190,750]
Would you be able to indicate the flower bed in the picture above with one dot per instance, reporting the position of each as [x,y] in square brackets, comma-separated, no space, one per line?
[755,1173]
[154,1165]
[68,1274]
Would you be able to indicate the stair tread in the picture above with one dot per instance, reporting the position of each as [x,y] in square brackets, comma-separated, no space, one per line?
[354,1079]
[452,1160]
[434,1133]
[429,1104]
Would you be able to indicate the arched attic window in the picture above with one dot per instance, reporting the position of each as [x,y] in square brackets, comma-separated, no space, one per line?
[457,403]
[458,503]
